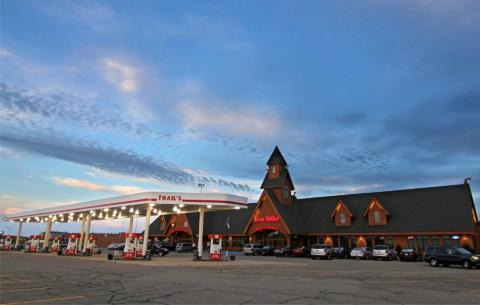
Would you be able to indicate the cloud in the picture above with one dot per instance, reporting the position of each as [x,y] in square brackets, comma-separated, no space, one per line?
[10,204]
[85,14]
[445,124]
[210,32]
[87,185]
[82,184]
[5,52]
[108,159]
[234,120]
[200,110]
[120,74]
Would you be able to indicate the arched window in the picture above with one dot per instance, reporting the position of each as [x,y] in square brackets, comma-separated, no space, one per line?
[342,218]
[286,192]
[376,217]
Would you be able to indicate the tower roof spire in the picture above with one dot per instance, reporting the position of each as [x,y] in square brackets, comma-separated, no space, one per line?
[276,157]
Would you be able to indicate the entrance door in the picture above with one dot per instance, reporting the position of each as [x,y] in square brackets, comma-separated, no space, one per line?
[271,238]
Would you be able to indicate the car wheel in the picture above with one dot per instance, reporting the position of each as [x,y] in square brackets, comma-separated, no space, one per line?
[329,257]
[467,265]
[314,258]
[434,262]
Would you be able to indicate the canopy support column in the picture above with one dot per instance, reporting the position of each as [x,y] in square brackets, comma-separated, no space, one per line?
[200,231]
[19,234]
[147,230]
[82,233]
[130,224]
[47,233]
[87,233]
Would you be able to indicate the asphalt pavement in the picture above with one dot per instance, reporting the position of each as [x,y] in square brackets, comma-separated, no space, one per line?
[176,279]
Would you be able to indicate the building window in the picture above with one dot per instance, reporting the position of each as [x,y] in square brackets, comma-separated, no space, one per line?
[422,242]
[376,217]
[446,241]
[342,218]
[353,242]
[285,192]
[435,241]
[411,242]
[273,169]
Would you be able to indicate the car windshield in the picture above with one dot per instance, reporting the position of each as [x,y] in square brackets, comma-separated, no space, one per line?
[359,249]
[381,248]
[319,246]
[408,250]
[463,251]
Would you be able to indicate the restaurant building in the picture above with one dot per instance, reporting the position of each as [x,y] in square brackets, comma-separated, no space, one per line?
[413,218]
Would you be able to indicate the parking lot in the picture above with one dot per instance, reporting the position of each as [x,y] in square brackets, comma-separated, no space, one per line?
[176,279]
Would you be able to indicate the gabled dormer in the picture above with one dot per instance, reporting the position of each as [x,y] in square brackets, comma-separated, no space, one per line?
[278,178]
[342,215]
[376,213]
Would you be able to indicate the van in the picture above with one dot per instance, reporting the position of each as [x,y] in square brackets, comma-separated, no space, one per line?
[252,249]
[447,256]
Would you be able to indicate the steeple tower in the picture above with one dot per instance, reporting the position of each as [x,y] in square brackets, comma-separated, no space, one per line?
[277,179]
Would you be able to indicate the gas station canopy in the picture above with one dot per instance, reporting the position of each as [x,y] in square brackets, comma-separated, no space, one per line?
[120,207]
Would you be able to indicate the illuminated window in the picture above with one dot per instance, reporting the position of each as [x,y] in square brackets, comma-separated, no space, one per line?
[342,218]
[273,170]
[376,217]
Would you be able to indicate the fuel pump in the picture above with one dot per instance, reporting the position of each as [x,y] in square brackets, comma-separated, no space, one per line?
[7,242]
[72,246]
[130,251]
[34,243]
[55,244]
[91,244]
[215,246]
[139,247]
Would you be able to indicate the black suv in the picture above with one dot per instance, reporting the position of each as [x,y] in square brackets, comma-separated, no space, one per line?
[447,256]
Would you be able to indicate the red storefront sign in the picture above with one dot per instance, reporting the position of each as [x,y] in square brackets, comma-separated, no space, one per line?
[267,219]
[267,227]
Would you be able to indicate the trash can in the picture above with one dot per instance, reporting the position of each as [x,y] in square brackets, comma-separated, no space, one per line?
[110,256]
[195,255]
[232,258]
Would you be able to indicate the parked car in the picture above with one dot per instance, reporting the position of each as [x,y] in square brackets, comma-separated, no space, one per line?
[301,252]
[447,256]
[167,245]
[115,246]
[157,249]
[361,252]
[184,247]
[285,251]
[252,249]
[321,251]
[268,250]
[340,252]
[408,255]
[384,253]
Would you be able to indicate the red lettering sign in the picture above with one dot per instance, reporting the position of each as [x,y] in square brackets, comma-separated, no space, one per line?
[169,198]
[267,219]
[269,227]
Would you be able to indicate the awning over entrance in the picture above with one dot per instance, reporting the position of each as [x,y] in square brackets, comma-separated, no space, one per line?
[136,204]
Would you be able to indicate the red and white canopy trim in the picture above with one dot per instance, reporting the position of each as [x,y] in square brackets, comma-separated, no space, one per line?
[136,204]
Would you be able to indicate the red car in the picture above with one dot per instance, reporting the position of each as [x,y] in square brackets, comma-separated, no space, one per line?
[301,251]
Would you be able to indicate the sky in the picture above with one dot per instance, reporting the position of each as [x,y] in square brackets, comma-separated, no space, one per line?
[104,98]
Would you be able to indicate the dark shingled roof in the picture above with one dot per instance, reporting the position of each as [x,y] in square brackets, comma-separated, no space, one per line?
[155,226]
[276,157]
[214,222]
[433,209]
[277,182]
